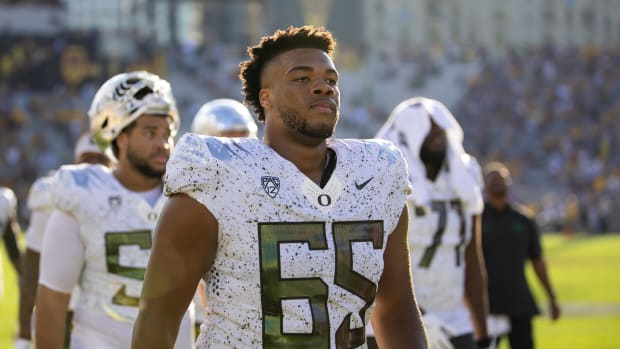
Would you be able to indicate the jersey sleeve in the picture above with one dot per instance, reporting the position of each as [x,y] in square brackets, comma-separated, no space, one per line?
[69,188]
[39,197]
[62,253]
[191,167]
[41,205]
[473,167]
[12,203]
[36,229]
[8,204]
[396,177]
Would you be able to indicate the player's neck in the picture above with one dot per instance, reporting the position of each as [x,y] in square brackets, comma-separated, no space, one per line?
[309,160]
[134,180]
[499,203]
[432,171]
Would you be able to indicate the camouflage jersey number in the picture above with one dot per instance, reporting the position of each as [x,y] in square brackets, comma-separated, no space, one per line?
[274,288]
[113,243]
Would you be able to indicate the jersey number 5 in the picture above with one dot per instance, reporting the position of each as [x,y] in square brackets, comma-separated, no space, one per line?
[113,242]
[275,289]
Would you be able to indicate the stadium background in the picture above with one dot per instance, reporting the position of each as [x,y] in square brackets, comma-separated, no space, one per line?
[534,83]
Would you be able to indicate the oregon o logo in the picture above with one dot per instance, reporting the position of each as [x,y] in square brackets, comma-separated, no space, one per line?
[152,216]
[324,200]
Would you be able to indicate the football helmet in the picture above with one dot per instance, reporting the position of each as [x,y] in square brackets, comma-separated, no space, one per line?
[123,98]
[223,116]
[85,144]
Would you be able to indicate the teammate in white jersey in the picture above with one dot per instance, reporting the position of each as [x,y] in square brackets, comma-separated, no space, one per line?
[300,236]
[444,220]
[9,228]
[100,232]
[41,207]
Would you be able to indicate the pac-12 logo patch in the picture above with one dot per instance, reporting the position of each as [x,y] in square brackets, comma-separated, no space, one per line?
[114,201]
[271,185]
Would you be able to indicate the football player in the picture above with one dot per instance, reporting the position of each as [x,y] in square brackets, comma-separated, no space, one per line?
[298,236]
[444,222]
[40,205]
[224,117]
[99,235]
[9,229]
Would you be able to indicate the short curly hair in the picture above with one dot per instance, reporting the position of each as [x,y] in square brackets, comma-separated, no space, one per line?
[270,47]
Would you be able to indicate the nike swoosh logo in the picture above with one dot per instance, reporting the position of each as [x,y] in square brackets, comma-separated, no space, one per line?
[362,185]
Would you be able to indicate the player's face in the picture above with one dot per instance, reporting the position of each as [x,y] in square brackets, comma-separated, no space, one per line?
[434,146]
[496,184]
[304,92]
[149,144]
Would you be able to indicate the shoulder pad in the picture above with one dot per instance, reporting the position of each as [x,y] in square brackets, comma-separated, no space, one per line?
[39,197]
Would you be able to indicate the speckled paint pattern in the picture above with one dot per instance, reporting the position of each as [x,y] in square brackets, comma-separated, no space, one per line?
[297,265]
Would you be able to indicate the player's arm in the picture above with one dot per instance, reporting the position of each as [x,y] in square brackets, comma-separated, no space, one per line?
[396,317]
[30,270]
[50,317]
[476,294]
[535,254]
[10,241]
[17,260]
[61,261]
[540,269]
[184,248]
[27,290]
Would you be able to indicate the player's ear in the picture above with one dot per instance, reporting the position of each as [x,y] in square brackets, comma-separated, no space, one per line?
[121,141]
[264,97]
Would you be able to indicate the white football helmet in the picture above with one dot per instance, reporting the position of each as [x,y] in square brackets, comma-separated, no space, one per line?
[222,116]
[85,144]
[123,98]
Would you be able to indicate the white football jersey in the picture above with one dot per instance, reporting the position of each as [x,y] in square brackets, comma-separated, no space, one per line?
[39,197]
[438,235]
[297,265]
[8,207]
[39,203]
[116,231]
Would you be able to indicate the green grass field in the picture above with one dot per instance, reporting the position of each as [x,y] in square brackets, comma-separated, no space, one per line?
[8,304]
[583,270]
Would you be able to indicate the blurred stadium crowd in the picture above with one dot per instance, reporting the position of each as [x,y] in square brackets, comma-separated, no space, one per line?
[552,114]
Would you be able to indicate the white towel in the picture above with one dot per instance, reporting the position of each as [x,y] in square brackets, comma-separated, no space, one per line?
[408,125]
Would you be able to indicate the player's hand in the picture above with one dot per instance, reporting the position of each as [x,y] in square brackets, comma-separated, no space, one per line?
[22,343]
[554,309]
[438,332]
[486,343]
